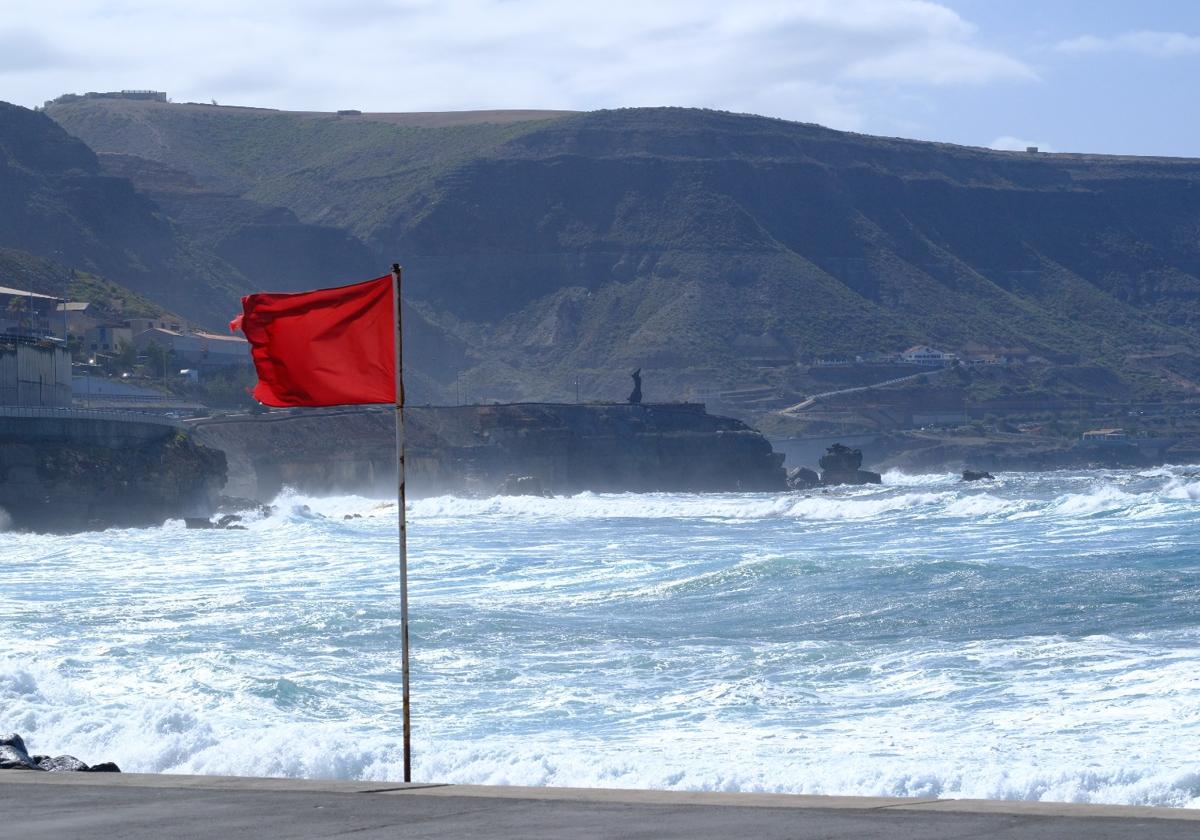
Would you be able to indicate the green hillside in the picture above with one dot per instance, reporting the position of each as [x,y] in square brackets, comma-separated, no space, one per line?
[21,270]
[57,203]
[580,246]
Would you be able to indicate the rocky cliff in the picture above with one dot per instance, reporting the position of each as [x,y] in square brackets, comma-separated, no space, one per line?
[66,471]
[713,250]
[472,449]
[57,203]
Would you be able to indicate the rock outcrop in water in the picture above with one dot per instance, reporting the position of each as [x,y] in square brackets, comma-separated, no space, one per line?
[522,485]
[842,465]
[802,478]
[14,756]
[474,449]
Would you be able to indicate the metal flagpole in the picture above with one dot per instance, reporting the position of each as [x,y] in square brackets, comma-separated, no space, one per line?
[400,504]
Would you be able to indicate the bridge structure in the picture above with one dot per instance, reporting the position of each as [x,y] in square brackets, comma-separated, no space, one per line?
[107,414]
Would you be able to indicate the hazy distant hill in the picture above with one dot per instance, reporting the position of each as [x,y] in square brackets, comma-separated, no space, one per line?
[56,203]
[268,246]
[708,247]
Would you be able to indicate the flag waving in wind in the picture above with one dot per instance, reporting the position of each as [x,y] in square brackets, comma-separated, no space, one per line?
[327,347]
[338,347]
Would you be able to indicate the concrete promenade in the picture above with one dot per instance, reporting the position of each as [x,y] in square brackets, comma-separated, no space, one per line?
[154,807]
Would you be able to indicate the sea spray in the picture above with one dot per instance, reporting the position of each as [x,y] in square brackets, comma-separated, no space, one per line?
[1033,638]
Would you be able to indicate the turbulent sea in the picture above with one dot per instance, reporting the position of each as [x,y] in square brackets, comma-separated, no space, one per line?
[1033,638]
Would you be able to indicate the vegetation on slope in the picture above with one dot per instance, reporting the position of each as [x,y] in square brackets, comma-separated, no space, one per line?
[580,247]
[55,202]
[21,270]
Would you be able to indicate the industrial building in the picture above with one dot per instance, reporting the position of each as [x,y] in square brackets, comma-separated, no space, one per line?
[35,367]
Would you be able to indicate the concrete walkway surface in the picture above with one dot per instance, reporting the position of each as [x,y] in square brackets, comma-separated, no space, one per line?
[155,807]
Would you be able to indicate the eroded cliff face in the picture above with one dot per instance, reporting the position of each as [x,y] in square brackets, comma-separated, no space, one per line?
[76,474]
[472,449]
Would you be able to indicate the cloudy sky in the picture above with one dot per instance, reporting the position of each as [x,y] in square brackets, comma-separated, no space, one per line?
[1069,75]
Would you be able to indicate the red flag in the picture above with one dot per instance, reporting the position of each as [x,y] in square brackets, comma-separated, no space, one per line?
[328,347]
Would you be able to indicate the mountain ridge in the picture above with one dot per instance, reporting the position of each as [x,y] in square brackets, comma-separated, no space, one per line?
[576,247]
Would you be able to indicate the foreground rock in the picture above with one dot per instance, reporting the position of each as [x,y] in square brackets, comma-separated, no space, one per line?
[842,465]
[977,475]
[14,756]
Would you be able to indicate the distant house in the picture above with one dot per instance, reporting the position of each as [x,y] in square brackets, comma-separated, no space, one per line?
[874,357]
[198,350]
[107,338]
[988,359]
[140,325]
[148,95]
[26,313]
[927,356]
[1105,435]
[75,317]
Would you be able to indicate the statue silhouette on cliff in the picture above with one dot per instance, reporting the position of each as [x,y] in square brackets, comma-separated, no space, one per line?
[636,397]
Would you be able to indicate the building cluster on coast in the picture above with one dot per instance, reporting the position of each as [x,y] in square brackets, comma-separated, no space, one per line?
[922,355]
[53,351]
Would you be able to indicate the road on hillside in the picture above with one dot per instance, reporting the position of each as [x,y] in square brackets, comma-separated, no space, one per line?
[810,400]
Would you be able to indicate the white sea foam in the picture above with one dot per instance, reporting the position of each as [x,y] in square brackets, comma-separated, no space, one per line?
[898,478]
[828,504]
[1104,498]
[1179,488]
[1034,638]
[881,757]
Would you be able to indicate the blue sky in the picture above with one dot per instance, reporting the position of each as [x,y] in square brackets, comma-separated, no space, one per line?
[1067,75]
[1110,77]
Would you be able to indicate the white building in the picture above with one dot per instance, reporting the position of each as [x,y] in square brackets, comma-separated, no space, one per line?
[927,356]
[199,349]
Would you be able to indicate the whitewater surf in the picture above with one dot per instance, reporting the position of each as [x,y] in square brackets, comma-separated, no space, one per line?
[1035,637]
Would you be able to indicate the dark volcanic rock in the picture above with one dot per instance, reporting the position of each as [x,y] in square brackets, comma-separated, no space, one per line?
[840,458]
[62,763]
[472,449]
[77,473]
[14,759]
[14,756]
[801,478]
[974,475]
[14,740]
[840,465]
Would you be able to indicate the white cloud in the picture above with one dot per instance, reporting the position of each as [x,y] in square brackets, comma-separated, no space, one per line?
[26,50]
[818,60]
[941,63]
[1008,143]
[1150,43]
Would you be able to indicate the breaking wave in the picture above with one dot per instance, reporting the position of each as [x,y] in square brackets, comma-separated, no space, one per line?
[1034,637]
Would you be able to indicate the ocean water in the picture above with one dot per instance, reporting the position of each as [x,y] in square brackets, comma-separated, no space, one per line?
[1033,638]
